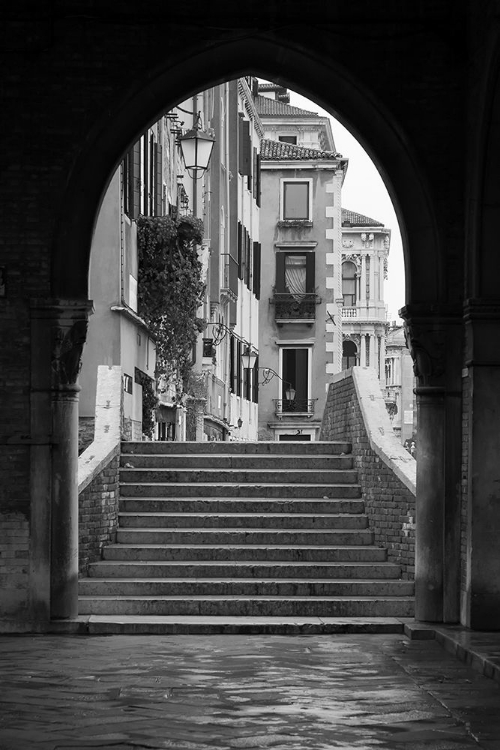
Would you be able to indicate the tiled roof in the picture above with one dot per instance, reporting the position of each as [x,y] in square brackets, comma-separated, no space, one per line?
[358,220]
[277,150]
[266,106]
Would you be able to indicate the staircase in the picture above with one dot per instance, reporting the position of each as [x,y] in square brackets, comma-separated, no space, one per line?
[226,533]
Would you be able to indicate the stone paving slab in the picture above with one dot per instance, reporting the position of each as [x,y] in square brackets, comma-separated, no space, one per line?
[226,692]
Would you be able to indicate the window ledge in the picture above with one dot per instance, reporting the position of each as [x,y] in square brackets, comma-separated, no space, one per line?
[297,223]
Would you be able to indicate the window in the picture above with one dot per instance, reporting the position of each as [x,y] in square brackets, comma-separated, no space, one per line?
[288,139]
[349,283]
[349,355]
[295,273]
[296,201]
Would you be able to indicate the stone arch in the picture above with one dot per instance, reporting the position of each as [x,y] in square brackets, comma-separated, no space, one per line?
[297,67]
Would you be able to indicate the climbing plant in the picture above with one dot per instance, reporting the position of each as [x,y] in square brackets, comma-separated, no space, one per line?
[170,288]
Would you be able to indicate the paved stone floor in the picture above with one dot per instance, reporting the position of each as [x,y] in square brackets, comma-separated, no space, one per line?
[281,692]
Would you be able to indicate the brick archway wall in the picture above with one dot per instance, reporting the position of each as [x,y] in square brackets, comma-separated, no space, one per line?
[324,80]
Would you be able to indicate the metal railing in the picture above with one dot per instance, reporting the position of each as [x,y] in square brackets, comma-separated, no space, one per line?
[294,306]
[295,406]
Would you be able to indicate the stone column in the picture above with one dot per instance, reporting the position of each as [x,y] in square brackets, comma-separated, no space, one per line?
[480,604]
[373,291]
[373,353]
[434,340]
[362,290]
[382,360]
[362,353]
[61,326]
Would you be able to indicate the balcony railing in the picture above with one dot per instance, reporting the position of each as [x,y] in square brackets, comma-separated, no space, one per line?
[294,306]
[297,406]
[349,312]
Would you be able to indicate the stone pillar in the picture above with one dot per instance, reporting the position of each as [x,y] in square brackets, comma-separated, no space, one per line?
[480,604]
[362,289]
[373,353]
[434,340]
[61,327]
[373,291]
[382,360]
[362,353]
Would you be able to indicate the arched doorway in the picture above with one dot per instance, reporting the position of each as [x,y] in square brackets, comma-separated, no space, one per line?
[111,138]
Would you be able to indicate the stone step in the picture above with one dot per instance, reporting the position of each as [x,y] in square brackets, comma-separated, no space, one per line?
[244,536]
[205,587]
[226,625]
[242,521]
[243,606]
[281,491]
[244,553]
[260,569]
[239,505]
[218,447]
[238,476]
[238,461]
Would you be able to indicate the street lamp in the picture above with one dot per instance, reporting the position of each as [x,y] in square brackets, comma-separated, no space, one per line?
[196,147]
[248,360]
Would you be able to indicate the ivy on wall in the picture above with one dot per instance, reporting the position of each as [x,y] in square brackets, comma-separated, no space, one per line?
[170,288]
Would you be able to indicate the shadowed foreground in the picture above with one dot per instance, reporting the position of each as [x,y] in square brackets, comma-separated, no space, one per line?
[187,692]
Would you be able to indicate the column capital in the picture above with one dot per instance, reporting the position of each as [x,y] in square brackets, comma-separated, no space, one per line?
[427,333]
[68,322]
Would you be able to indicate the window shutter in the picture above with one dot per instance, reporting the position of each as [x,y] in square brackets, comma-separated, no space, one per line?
[240,250]
[136,180]
[248,258]
[257,181]
[238,368]
[158,180]
[255,388]
[310,281]
[256,269]
[245,148]
[280,273]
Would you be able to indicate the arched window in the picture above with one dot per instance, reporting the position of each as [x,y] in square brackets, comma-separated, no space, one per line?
[349,354]
[349,283]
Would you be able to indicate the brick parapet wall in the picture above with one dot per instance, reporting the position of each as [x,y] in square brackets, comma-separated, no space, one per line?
[98,513]
[355,412]
[98,470]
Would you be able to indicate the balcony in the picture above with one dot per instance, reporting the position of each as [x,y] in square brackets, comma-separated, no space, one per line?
[349,312]
[298,407]
[294,308]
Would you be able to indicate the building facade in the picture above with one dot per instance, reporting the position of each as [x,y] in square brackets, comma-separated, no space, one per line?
[231,214]
[399,385]
[365,251]
[300,329]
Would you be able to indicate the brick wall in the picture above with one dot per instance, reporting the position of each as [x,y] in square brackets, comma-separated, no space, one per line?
[85,433]
[14,562]
[98,514]
[390,504]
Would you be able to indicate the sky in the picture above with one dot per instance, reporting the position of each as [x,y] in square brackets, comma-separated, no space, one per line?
[364,192]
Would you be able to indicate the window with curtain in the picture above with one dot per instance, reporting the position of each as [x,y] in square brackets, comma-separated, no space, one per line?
[295,273]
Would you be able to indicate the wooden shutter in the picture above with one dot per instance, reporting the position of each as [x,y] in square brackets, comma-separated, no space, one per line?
[310,281]
[256,269]
[136,180]
[244,148]
[280,273]
[240,250]
[158,181]
[257,181]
